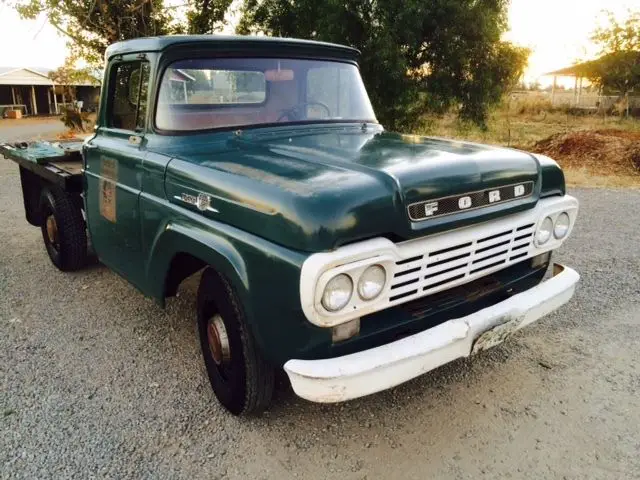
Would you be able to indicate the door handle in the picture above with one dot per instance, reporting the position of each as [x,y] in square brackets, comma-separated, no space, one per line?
[135,140]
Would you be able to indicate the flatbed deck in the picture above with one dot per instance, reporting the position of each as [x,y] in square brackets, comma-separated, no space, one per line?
[58,162]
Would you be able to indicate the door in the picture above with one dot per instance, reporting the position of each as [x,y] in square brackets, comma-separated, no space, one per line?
[113,170]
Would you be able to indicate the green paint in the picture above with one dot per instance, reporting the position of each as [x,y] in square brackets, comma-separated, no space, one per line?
[280,193]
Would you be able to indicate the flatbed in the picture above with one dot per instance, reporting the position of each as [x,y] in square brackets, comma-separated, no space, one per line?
[59,162]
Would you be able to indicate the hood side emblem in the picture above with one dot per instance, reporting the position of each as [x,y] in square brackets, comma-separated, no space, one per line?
[202,201]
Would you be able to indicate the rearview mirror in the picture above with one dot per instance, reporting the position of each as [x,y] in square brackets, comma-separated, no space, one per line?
[278,75]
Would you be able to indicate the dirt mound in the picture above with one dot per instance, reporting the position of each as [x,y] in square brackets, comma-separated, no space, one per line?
[606,152]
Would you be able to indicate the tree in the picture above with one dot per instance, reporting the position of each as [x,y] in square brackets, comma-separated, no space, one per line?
[618,68]
[68,75]
[92,25]
[65,78]
[418,56]
[207,16]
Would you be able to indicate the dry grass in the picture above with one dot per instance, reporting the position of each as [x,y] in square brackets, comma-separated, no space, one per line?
[527,130]
[585,178]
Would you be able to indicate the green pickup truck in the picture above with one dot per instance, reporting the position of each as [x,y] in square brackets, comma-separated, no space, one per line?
[351,257]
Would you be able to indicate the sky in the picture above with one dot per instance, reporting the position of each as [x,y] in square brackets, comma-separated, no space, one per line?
[557,31]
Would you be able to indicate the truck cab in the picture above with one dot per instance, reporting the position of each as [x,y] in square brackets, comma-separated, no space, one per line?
[351,257]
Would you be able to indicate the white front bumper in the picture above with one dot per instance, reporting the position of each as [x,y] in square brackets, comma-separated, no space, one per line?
[363,373]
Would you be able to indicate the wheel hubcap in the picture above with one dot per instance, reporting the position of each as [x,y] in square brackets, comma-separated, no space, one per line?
[52,229]
[218,340]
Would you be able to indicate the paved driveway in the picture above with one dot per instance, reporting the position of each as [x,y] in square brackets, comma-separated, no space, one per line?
[30,128]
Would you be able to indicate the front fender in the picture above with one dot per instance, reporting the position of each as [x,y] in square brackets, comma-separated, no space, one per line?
[265,276]
[184,237]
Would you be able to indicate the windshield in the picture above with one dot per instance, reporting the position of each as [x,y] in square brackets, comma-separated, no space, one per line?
[201,94]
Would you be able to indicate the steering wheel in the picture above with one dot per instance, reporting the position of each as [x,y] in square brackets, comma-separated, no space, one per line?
[294,113]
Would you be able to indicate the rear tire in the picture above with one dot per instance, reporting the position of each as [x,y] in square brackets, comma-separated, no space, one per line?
[63,229]
[241,378]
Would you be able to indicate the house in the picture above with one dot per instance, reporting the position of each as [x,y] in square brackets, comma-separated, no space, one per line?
[31,91]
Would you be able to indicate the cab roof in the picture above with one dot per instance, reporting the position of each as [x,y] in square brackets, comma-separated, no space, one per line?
[233,43]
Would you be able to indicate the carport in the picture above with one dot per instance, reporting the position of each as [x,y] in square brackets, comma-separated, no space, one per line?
[34,93]
[27,90]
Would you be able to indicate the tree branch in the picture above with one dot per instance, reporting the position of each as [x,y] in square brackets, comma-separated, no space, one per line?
[75,38]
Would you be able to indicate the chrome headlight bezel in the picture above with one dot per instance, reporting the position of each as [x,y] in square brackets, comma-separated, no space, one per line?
[354,271]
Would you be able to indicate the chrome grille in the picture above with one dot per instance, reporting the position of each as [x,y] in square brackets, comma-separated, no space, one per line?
[433,271]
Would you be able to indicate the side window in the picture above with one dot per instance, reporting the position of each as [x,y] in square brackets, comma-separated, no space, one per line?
[128,96]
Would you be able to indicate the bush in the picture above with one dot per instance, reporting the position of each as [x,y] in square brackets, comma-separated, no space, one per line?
[530,105]
[75,119]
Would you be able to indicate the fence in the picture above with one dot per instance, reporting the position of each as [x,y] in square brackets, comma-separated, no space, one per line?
[587,101]
[591,101]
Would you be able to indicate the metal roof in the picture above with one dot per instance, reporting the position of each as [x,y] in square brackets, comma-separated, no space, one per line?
[23,76]
[12,76]
[579,69]
[233,43]
[7,70]
[39,70]
[576,70]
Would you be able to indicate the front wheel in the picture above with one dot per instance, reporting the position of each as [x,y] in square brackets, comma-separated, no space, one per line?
[63,229]
[241,379]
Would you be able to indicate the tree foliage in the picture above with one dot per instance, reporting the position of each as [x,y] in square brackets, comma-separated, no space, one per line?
[207,16]
[418,56]
[92,25]
[618,68]
[68,75]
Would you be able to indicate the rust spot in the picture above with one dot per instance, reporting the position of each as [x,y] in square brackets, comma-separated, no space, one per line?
[557,269]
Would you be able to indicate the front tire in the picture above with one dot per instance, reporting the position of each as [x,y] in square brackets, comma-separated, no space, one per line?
[63,230]
[241,378]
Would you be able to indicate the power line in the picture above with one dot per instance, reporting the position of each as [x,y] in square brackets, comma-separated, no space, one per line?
[44,21]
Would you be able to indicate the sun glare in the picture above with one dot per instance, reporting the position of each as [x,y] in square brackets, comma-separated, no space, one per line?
[558,31]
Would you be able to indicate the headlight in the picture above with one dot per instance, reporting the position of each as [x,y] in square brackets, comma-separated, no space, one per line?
[337,292]
[561,226]
[544,231]
[372,282]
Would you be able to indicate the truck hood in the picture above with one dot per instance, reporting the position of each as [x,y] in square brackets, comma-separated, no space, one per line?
[316,188]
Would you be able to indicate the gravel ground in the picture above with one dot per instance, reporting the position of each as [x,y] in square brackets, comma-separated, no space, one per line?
[97,381]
